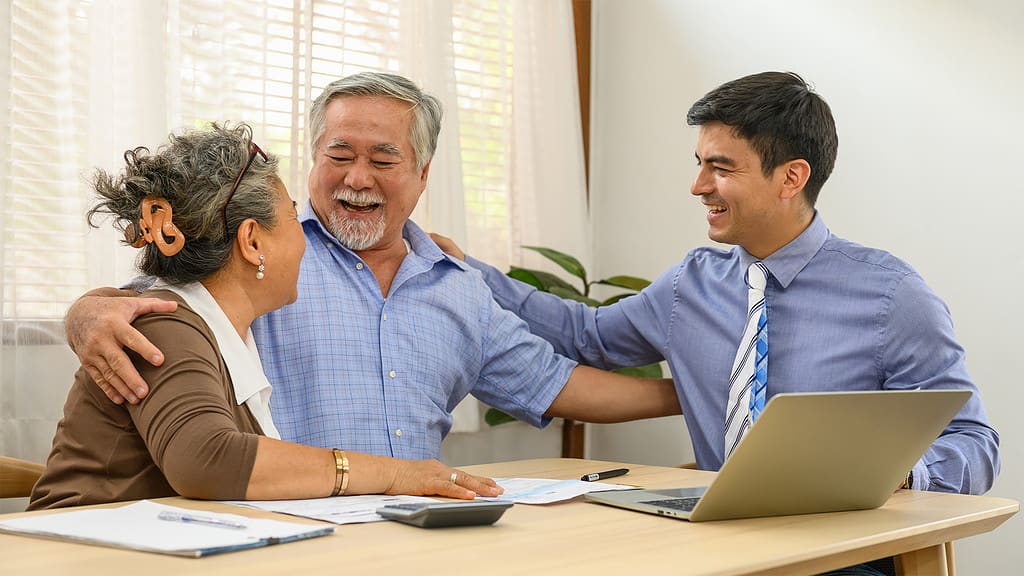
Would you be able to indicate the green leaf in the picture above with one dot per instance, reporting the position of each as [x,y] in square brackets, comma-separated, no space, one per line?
[629,282]
[544,281]
[616,298]
[548,282]
[649,371]
[494,417]
[572,294]
[527,276]
[568,263]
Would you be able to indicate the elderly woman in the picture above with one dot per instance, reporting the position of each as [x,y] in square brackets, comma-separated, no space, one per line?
[219,232]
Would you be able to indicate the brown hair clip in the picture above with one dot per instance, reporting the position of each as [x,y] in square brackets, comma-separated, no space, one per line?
[156,214]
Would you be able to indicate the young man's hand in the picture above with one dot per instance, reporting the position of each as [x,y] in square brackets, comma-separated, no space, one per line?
[448,246]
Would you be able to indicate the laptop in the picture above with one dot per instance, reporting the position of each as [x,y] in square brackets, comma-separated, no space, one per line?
[810,453]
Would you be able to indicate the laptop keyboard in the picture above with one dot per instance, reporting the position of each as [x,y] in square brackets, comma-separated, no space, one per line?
[683,504]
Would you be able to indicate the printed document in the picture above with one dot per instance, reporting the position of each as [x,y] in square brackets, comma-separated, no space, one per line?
[356,509]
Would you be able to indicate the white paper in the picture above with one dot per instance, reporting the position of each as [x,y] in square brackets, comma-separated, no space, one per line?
[356,509]
[544,491]
[137,526]
[338,510]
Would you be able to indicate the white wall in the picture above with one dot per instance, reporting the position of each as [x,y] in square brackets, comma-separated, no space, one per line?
[34,380]
[511,441]
[927,96]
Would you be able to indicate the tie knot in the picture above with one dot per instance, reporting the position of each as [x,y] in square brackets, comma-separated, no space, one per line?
[757,276]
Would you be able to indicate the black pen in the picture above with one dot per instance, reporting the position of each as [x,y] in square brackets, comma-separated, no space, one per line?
[606,474]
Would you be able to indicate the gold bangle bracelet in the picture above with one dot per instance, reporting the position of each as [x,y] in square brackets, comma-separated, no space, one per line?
[344,477]
[340,472]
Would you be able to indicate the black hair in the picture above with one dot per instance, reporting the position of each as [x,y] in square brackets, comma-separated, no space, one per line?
[782,119]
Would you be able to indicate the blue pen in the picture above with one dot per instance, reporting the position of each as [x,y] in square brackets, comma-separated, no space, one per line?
[204,520]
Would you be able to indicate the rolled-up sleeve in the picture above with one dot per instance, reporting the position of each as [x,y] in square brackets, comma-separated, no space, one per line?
[520,372]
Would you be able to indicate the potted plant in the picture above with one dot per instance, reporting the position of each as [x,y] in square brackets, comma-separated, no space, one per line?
[548,282]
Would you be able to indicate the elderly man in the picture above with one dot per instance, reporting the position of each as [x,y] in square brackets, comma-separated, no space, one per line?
[388,333]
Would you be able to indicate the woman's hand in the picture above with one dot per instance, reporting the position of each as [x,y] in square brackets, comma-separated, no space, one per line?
[284,471]
[432,478]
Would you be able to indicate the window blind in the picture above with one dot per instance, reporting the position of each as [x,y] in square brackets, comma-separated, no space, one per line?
[482,46]
[254,61]
[265,63]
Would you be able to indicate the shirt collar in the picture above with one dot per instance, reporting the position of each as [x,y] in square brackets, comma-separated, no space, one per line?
[240,356]
[786,262]
[418,241]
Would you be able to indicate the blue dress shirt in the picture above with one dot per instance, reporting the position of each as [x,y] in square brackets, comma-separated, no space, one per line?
[354,370]
[841,317]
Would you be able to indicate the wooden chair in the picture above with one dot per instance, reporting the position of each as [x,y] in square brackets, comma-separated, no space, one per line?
[17,477]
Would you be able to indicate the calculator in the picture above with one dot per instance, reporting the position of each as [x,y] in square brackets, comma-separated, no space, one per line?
[440,514]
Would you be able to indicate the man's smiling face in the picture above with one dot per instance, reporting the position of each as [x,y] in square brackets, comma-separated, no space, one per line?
[364,183]
[744,205]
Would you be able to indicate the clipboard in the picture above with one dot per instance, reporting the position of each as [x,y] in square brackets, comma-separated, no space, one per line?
[138,526]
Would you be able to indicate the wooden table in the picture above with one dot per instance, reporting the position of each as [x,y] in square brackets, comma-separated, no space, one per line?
[573,537]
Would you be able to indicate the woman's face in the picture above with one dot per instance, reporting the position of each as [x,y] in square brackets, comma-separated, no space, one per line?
[284,252]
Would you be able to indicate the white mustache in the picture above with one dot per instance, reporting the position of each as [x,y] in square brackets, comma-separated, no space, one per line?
[356,197]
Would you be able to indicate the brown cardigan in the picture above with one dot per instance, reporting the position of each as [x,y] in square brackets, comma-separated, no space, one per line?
[188,436]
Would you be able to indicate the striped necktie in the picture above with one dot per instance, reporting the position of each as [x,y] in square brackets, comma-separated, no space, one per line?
[749,374]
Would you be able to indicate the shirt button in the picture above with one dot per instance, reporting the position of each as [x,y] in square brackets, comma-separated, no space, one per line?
[359,265]
[398,432]
[392,373]
[385,315]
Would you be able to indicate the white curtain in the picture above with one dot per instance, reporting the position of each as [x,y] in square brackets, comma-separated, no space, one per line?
[83,80]
[545,170]
[548,179]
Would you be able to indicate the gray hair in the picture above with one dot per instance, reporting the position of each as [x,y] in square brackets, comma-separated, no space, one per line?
[193,172]
[426,109]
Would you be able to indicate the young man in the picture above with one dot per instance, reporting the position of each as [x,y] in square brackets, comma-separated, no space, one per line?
[839,316]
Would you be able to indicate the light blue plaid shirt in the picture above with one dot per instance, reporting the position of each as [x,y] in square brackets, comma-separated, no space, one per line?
[352,370]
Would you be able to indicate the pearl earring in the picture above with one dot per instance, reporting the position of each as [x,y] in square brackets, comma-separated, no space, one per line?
[260,269]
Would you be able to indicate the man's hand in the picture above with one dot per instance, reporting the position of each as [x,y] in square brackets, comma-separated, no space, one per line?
[448,246]
[98,327]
